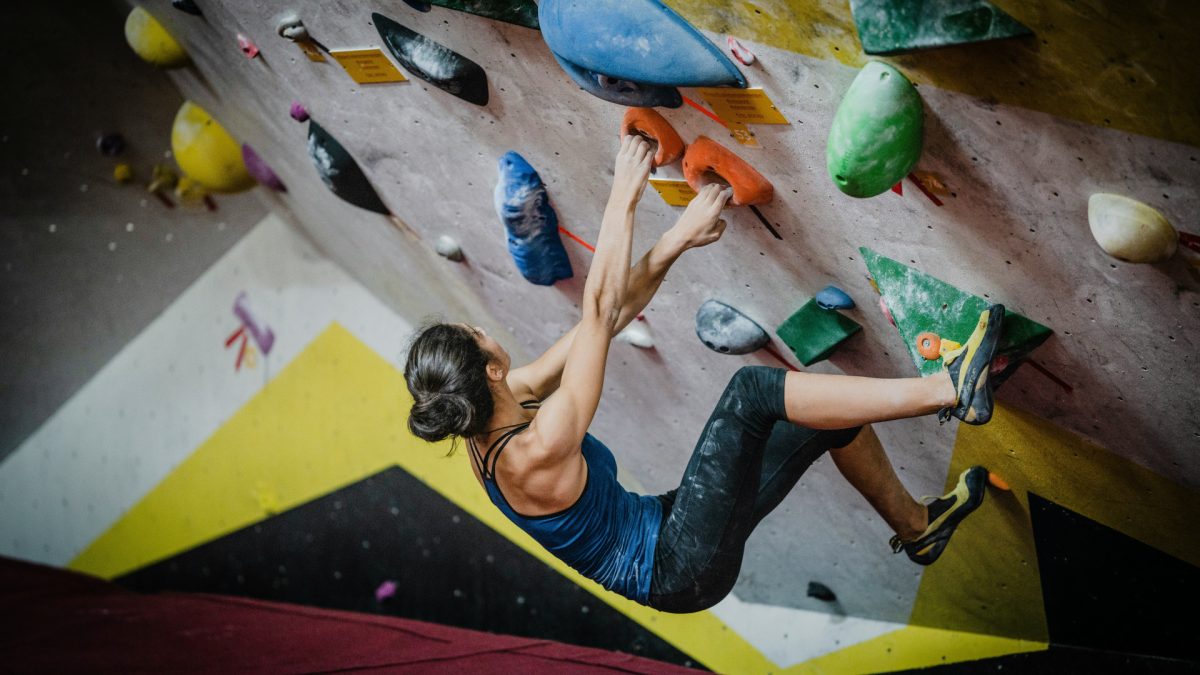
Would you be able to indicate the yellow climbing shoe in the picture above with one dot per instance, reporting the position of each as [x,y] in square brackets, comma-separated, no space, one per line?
[945,513]
[968,367]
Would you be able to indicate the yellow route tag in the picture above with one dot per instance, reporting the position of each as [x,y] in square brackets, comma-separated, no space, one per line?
[674,192]
[742,106]
[368,66]
[311,51]
[742,134]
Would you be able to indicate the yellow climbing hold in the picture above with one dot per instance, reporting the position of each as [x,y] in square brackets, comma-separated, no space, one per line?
[123,172]
[190,192]
[149,40]
[1129,230]
[206,152]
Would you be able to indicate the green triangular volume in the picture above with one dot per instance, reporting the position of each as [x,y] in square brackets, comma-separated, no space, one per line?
[920,303]
[896,26]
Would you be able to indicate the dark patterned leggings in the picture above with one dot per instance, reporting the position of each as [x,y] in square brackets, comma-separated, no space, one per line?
[747,460]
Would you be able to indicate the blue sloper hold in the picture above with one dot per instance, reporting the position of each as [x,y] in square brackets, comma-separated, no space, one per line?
[832,297]
[621,92]
[724,329]
[636,40]
[524,208]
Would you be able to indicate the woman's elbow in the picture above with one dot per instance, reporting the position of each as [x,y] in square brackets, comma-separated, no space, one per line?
[605,309]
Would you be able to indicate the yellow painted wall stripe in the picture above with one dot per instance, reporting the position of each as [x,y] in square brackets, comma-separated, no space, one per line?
[988,579]
[1128,65]
[913,647]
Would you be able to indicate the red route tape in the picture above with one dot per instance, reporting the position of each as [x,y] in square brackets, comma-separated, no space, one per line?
[572,235]
[921,186]
[242,352]
[1054,378]
[1190,240]
[706,111]
[237,333]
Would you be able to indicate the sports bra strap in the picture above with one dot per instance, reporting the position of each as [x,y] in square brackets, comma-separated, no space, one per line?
[487,460]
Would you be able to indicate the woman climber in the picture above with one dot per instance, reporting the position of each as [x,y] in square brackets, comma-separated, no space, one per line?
[680,551]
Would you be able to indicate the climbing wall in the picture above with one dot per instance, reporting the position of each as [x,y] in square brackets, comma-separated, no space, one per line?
[1017,135]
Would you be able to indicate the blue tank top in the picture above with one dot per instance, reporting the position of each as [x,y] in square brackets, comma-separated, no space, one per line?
[608,535]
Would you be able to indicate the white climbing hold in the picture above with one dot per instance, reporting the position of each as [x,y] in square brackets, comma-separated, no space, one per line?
[1129,230]
[448,247]
[740,51]
[637,335]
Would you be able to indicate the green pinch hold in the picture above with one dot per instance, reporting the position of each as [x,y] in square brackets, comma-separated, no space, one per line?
[877,133]
[897,26]
[813,333]
[920,303]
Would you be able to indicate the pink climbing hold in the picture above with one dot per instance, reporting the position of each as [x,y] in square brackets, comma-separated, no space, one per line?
[386,590]
[886,312]
[298,112]
[740,51]
[247,46]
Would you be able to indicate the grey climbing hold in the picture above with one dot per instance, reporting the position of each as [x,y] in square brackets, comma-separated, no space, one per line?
[726,330]
[447,247]
[832,297]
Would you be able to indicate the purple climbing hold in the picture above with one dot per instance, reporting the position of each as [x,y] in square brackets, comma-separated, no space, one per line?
[258,169]
[298,112]
[832,297]
[386,590]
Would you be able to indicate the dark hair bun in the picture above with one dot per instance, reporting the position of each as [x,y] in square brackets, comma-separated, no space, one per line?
[440,415]
[445,373]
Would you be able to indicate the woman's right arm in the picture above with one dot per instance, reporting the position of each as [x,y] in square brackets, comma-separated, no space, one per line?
[566,415]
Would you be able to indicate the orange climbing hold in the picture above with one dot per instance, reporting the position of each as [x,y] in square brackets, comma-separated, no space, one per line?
[649,123]
[706,156]
[929,345]
[998,482]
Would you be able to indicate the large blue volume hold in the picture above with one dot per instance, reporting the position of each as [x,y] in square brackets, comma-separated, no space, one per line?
[524,208]
[636,40]
[621,92]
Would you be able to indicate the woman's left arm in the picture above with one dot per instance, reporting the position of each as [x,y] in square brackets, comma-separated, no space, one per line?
[699,225]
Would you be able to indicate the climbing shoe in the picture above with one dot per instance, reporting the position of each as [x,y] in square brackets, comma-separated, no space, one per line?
[968,367]
[945,513]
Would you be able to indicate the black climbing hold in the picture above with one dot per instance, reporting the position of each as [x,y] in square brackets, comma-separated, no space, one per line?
[186,6]
[821,592]
[418,5]
[340,173]
[725,330]
[435,63]
[111,145]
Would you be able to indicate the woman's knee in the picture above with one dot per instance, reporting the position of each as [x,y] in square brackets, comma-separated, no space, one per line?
[757,390]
